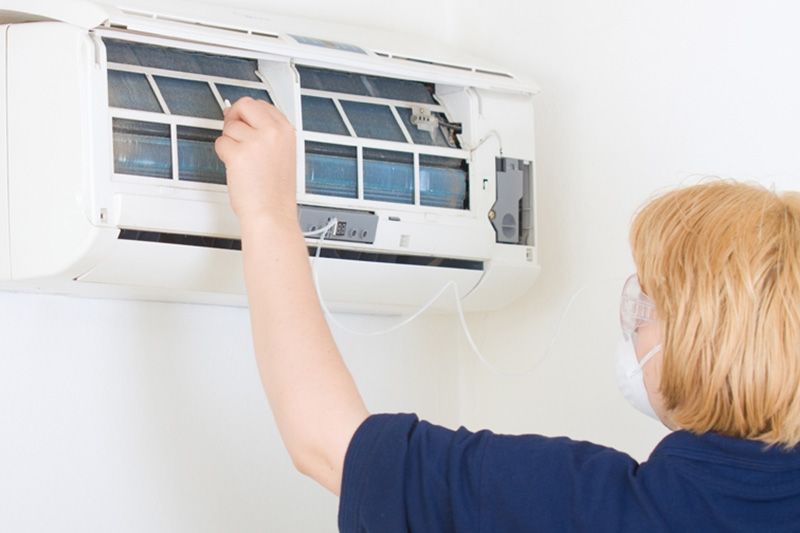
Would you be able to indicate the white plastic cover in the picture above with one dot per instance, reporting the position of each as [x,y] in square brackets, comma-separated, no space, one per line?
[76,12]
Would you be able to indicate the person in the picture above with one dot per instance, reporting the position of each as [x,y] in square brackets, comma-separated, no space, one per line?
[712,328]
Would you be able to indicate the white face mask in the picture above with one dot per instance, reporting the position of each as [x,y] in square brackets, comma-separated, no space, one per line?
[630,378]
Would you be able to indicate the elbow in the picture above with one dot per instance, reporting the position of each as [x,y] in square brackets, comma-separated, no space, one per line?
[306,461]
[302,462]
[318,468]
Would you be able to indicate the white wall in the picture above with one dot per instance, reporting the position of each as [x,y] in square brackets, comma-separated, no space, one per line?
[137,416]
[636,97]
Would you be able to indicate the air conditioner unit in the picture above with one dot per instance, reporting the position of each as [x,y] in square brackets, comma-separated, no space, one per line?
[109,184]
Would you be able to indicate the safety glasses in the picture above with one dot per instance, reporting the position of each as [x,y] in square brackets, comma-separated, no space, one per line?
[636,308]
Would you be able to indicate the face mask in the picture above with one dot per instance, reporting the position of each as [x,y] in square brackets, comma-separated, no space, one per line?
[630,378]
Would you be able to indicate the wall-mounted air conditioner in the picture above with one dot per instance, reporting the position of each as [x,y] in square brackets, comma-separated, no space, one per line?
[109,184]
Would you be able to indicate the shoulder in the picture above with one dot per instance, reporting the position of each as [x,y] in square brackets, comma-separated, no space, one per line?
[400,466]
[394,434]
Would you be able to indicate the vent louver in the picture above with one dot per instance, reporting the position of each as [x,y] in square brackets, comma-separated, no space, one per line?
[245,31]
[453,66]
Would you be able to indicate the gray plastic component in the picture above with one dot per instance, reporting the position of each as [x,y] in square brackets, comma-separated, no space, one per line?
[526,234]
[512,209]
[352,226]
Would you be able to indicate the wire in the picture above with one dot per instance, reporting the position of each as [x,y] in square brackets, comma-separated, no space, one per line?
[548,350]
[492,133]
[394,327]
[322,232]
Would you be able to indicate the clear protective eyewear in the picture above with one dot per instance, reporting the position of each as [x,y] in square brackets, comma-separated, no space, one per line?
[636,308]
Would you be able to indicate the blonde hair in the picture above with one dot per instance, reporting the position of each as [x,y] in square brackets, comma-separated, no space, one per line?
[721,261]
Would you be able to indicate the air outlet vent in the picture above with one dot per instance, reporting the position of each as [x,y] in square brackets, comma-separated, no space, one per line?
[333,253]
[494,73]
[463,68]
[436,63]
[243,31]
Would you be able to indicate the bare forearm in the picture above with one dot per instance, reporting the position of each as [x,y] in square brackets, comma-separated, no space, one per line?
[314,400]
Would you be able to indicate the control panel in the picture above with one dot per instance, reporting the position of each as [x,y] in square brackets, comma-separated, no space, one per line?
[351,226]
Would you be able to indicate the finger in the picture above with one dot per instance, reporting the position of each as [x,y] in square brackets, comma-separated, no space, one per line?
[254,113]
[238,130]
[262,107]
[228,116]
[224,146]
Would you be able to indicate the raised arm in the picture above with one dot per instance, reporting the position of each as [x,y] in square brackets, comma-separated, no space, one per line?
[313,397]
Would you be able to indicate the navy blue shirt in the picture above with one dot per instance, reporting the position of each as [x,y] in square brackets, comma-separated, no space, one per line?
[402,475]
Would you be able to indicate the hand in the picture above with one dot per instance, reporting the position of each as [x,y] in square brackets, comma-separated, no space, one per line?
[257,146]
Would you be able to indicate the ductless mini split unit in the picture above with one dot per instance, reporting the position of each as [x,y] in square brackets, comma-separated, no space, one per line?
[110,186]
